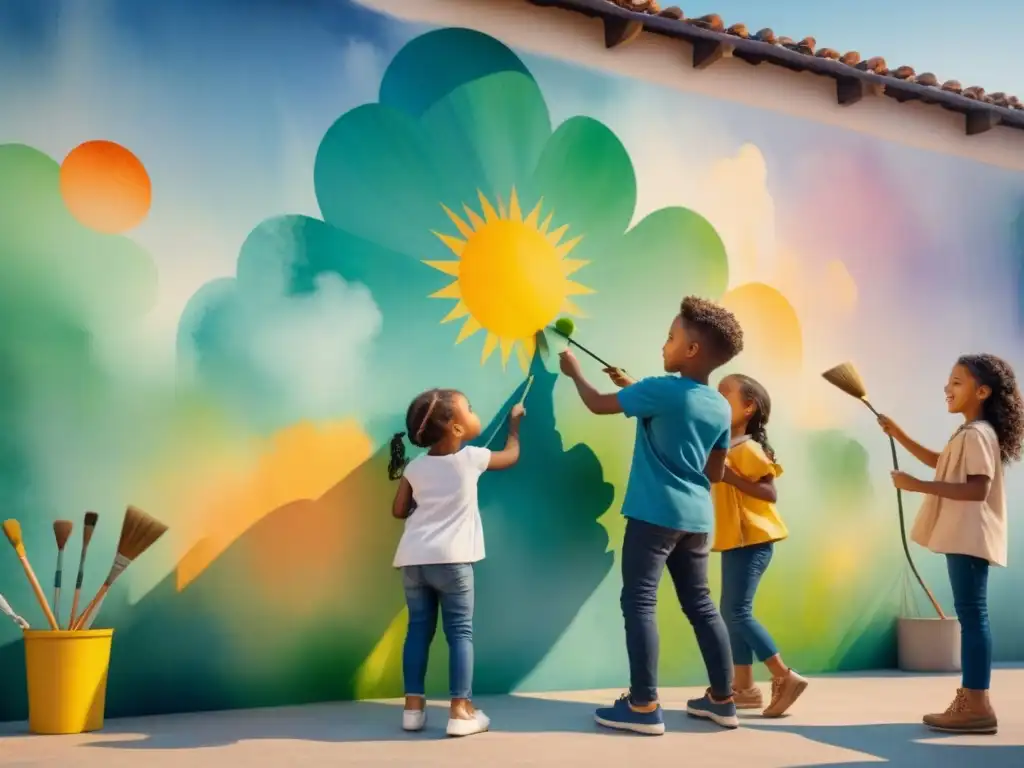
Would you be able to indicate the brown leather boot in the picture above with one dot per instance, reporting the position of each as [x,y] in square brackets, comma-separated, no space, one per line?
[970,712]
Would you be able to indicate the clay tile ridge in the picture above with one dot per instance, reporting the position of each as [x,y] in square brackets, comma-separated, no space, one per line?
[855,76]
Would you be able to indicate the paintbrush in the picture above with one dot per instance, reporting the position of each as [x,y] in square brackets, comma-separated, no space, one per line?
[138,533]
[5,607]
[846,378]
[565,327]
[91,518]
[12,528]
[61,532]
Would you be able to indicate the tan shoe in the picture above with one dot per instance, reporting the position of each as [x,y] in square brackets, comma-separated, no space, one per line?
[748,698]
[785,691]
[963,717]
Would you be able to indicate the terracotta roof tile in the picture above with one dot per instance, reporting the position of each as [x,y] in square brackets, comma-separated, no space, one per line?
[625,19]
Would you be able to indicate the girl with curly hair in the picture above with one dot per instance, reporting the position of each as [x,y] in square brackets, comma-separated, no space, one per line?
[963,516]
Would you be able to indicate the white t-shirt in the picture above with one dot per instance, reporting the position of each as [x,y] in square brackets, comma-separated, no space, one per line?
[445,527]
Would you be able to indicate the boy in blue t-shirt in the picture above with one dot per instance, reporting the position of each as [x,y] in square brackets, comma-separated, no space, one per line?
[682,436]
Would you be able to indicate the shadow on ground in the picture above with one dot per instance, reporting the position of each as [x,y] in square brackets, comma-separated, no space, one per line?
[902,744]
[349,722]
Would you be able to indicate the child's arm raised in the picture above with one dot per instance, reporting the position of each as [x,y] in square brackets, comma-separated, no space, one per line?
[509,455]
[403,505]
[980,460]
[596,402]
[926,456]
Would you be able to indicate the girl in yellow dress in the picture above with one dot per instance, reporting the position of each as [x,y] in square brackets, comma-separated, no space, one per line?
[747,526]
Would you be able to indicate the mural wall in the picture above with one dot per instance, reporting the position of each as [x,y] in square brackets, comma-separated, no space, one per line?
[234,244]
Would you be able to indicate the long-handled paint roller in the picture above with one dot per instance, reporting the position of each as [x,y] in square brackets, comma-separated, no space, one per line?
[565,327]
[12,529]
[139,532]
[61,532]
[91,518]
[5,607]
[846,378]
[522,399]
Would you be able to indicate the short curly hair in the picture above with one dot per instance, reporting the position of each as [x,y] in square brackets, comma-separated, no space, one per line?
[715,327]
[1004,408]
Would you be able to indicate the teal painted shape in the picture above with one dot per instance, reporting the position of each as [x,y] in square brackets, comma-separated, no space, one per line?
[434,64]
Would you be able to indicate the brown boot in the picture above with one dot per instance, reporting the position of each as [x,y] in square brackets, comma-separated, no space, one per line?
[970,712]
[785,691]
[748,698]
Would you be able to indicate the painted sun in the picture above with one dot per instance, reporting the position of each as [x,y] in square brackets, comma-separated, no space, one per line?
[511,276]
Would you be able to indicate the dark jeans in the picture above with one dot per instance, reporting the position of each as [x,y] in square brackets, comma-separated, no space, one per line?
[450,587]
[646,551]
[742,569]
[969,578]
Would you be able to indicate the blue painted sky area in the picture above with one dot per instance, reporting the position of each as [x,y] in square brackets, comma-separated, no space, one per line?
[970,42]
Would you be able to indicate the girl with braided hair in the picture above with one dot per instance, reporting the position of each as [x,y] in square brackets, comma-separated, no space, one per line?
[443,538]
[963,516]
[747,526]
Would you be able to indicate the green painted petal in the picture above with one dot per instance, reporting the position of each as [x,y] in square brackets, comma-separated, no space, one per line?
[487,135]
[672,253]
[374,178]
[433,65]
[586,178]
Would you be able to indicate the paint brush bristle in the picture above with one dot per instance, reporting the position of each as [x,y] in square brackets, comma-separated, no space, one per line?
[138,533]
[91,518]
[62,532]
[12,529]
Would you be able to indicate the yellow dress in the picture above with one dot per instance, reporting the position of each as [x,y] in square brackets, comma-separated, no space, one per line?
[742,520]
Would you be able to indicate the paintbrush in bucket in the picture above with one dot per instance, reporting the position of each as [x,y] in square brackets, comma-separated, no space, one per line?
[5,607]
[61,532]
[12,529]
[91,518]
[139,532]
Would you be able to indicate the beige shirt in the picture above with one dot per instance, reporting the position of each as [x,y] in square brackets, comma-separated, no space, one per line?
[975,528]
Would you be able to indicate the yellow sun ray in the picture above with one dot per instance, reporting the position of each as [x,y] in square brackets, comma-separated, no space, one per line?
[569,307]
[573,288]
[489,346]
[534,215]
[459,310]
[454,244]
[572,265]
[523,357]
[555,237]
[514,212]
[543,229]
[450,291]
[471,326]
[502,210]
[448,267]
[490,215]
[564,249]
[529,345]
[476,222]
[464,229]
[506,350]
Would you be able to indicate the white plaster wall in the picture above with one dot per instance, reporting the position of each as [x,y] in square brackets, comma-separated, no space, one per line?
[572,36]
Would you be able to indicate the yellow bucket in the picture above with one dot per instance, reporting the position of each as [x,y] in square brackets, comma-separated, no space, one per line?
[67,679]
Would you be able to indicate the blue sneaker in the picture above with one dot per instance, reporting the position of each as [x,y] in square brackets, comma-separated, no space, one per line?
[723,714]
[623,717]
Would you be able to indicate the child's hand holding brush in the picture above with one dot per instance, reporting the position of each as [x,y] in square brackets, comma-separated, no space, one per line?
[619,377]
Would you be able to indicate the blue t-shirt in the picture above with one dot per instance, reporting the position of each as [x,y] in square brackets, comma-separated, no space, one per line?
[679,423]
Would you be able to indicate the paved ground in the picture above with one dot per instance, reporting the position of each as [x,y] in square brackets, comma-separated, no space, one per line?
[841,721]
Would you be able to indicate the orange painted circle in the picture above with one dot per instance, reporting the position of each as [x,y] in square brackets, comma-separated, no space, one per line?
[105,186]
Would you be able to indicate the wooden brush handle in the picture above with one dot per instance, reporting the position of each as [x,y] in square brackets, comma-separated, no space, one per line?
[92,606]
[74,608]
[50,618]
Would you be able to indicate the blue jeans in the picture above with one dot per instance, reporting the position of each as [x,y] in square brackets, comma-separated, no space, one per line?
[646,551]
[449,587]
[969,578]
[742,569]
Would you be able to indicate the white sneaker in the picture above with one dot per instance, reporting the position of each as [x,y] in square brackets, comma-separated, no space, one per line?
[414,719]
[477,724]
